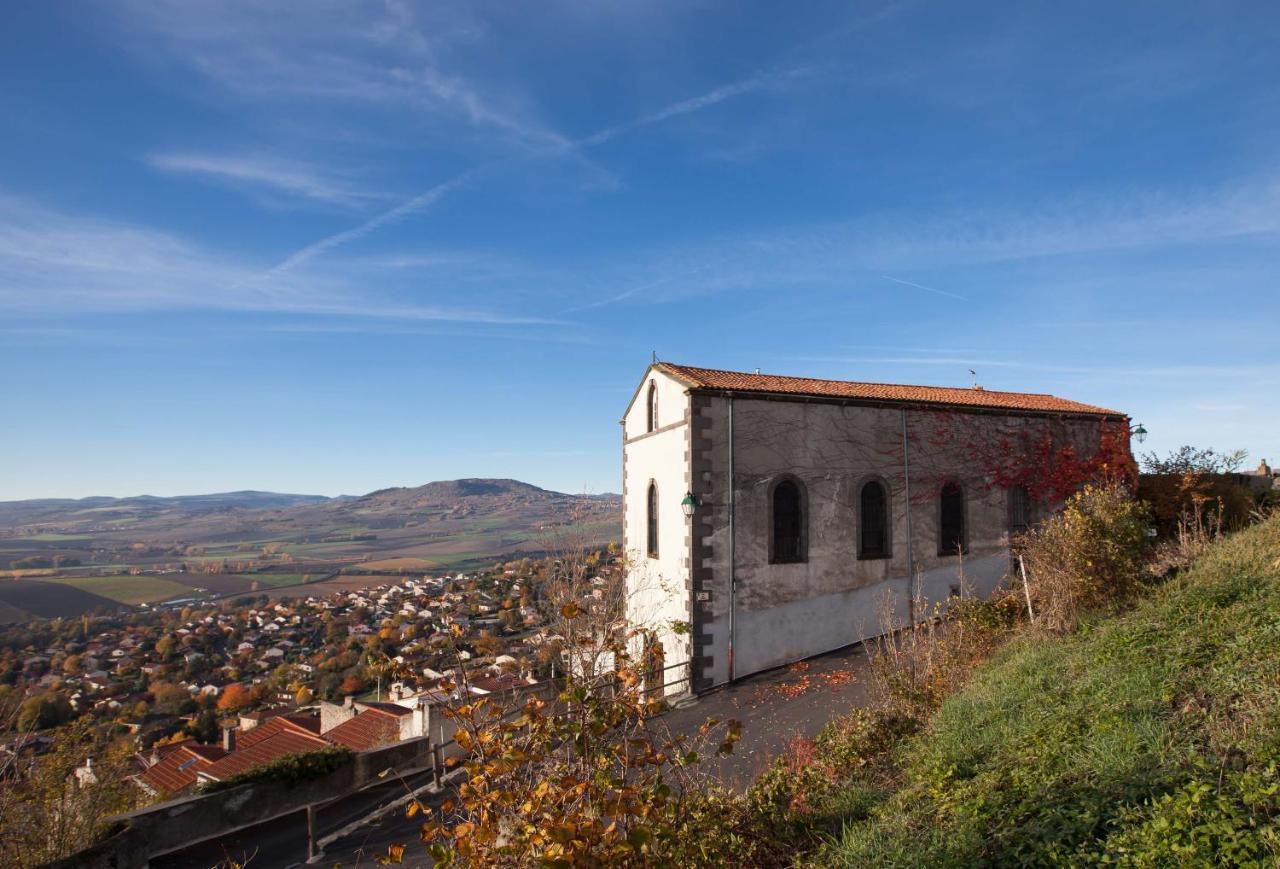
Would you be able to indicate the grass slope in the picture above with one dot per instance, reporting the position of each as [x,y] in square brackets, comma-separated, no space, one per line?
[1150,739]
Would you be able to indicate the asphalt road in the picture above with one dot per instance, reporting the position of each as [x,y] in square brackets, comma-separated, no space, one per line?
[774,708]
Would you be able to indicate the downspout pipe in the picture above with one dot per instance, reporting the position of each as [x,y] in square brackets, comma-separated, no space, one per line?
[906,485]
[733,580]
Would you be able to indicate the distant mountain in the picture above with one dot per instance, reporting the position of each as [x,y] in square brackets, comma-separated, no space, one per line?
[99,508]
[231,542]
[446,492]
[516,501]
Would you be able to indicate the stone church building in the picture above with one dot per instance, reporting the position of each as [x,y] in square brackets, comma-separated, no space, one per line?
[768,519]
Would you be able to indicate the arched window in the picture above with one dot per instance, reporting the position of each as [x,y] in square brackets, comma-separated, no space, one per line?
[951,535]
[1019,510]
[653,406]
[873,521]
[788,523]
[651,543]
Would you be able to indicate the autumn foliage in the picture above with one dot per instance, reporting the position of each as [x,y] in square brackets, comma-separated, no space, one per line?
[234,697]
[589,778]
[1050,458]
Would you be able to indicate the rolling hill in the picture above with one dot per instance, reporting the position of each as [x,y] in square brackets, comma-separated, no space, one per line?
[246,541]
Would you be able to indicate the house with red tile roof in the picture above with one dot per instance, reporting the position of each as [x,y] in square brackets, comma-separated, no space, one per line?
[767,517]
[174,769]
[374,725]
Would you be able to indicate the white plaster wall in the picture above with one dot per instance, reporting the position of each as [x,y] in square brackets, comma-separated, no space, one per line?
[657,594]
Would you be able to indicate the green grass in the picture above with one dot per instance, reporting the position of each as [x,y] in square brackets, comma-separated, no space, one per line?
[1149,739]
[51,537]
[128,589]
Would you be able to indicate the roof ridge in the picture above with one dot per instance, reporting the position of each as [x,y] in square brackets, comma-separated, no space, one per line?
[863,382]
[727,381]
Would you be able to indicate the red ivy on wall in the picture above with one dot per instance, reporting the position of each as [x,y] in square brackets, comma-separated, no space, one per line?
[1050,458]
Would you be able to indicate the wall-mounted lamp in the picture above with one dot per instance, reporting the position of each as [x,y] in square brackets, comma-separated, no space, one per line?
[689,504]
[1139,433]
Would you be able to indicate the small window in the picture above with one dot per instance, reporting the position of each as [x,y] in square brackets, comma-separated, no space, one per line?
[652,523]
[873,521]
[951,532]
[788,523]
[653,406]
[1019,510]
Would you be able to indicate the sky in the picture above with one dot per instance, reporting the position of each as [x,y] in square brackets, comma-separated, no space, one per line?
[330,247]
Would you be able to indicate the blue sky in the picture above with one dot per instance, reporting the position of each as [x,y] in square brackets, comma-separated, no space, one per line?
[331,247]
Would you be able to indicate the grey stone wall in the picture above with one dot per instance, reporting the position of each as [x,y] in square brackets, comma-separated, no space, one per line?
[784,612]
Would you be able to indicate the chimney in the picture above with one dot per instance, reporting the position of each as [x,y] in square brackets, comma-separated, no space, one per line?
[228,739]
[349,701]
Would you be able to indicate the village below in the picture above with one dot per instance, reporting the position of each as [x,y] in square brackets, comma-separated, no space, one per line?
[581,435]
[110,710]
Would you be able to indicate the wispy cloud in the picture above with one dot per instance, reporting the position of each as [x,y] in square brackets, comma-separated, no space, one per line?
[53,263]
[434,194]
[838,255]
[758,82]
[409,206]
[927,289]
[386,54]
[254,172]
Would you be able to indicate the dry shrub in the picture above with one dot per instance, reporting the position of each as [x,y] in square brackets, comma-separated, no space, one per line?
[1196,530]
[1091,555]
[914,669]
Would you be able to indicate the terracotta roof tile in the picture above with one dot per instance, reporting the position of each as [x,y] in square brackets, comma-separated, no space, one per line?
[303,724]
[278,744]
[369,729]
[390,708]
[737,381]
[178,766]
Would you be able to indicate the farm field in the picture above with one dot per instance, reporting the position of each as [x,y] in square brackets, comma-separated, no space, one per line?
[22,599]
[280,540]
[126,589]
[403,563]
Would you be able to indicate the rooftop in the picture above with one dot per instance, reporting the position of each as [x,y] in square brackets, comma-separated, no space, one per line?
[949,396]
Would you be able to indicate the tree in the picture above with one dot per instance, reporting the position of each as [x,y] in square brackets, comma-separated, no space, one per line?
[166,646]
[42,711]
[591,780]
[54,808]
[234,697]
[1192,486]
[1192,460]
[205,727]
[353,684]
[169,697]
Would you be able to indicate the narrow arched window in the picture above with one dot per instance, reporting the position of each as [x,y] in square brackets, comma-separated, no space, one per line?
[1019,510]
[951,536]
[788,523]
[653,406]
[651,544]
[873,521]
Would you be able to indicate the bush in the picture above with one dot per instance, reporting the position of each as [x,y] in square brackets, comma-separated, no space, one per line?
[291,768]
[1092,555]
[914,670]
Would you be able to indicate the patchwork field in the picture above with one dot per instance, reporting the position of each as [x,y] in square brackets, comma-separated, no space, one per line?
[149,550]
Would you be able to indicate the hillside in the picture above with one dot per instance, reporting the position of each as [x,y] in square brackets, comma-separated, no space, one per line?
[145,549]
[98,511]
[1148,739]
